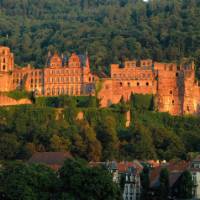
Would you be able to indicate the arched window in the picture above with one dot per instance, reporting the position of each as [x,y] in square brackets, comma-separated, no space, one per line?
[53,91]
[71,90]
[48,91]
[58,91]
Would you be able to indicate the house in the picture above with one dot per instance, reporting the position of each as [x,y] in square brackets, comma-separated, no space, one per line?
[54,160]
[127,175]
[194,168]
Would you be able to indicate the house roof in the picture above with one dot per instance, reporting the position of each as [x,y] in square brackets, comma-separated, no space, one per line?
[175,170]
[53,159]
[125,166]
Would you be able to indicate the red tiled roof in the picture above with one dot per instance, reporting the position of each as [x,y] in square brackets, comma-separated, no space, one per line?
[123,166]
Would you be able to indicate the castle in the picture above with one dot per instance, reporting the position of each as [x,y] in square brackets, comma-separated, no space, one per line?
[61,76]
[173,85]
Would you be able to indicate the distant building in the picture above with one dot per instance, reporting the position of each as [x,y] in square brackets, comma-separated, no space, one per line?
[127,175]
[174,86]
[194,168]
[54,160]
[176,170]
[61,76]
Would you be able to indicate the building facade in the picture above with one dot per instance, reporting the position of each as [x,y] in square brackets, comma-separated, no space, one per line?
[174,86]
[61,76]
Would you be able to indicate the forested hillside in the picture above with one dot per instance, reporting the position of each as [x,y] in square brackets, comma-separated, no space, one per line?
[51,125]
[110,30]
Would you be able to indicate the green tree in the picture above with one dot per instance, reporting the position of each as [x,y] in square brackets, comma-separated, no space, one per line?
[145,183]
[85,143]
[9,146]
[59,143]
[107,135]
[163,190]
[28,182]
[185,186]
[86,183]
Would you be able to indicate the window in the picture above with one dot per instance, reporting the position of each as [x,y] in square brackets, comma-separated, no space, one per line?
[138,84]
[4,67]
[172,102]
[177,74]
[129,84]
[147,83]
[53,91]
[120,84]
[170,92]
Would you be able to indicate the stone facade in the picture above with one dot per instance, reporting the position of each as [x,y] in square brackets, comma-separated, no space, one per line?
[62,75]
[126,80]
[173,85]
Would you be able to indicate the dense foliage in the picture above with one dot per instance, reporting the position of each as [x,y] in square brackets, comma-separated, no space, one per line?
[75,180]
[110,30]
[52,124]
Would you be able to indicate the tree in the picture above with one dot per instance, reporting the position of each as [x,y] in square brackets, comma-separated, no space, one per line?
[28,182]
[185,186]
[59,143]
[163,190]
[86,183]
[9,146]
[86,144]
[144,176]
[107,135]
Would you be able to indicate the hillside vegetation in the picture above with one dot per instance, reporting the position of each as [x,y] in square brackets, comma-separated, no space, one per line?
[110,30]
[51,125]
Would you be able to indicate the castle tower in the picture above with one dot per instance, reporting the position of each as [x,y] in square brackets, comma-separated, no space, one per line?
[191,94]
[169,89]
[6,59]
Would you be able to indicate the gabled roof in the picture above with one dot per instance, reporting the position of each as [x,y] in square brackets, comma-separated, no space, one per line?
[175,170]
[52,159]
